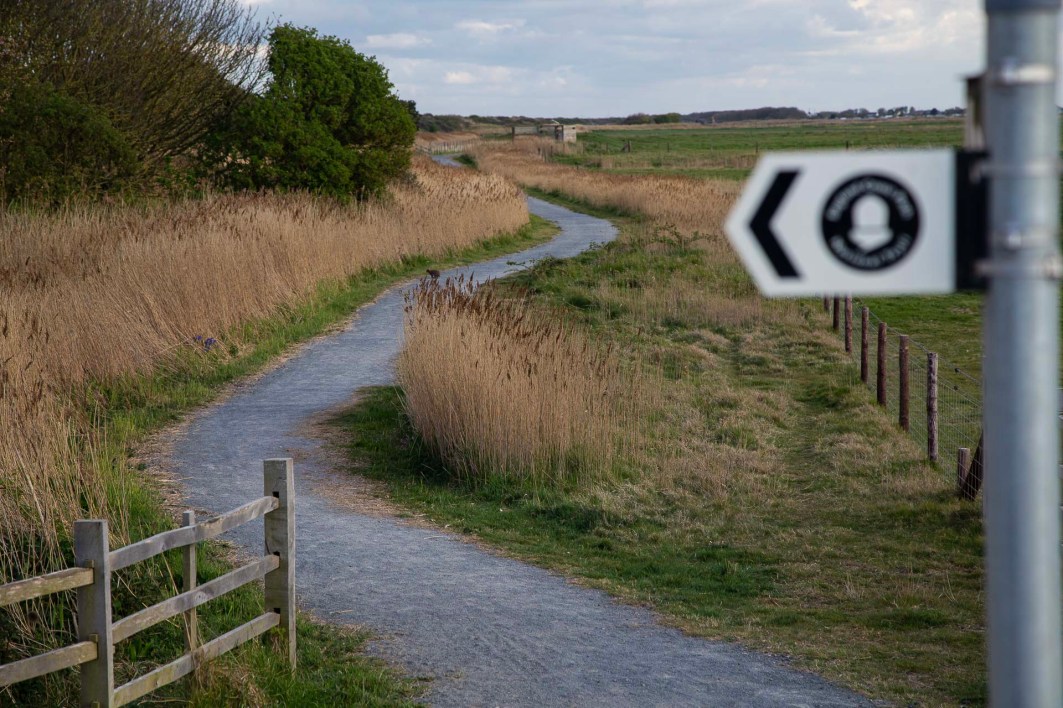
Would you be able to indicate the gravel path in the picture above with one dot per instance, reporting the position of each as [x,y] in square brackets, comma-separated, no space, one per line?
[489,630]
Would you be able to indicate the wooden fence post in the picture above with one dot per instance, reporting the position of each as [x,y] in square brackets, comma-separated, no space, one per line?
[932,406]
[279,481]
[972,481]
[189,571]
[881,387]
[865,317]
[837,314]
[902,416]
[848,324]
[963,463]
[92,550]
[826,304]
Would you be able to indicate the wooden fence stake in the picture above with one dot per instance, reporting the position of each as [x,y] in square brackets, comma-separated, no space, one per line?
[92,550]
[837,313]
[881,387]
[826,304]
[902,416]
[972,480]
[189,571]
[279,481]
[865,316]
[963,463]
[848,324]
[932,406]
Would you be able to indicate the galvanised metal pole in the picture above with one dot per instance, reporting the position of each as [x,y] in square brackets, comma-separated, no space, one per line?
[1021,341]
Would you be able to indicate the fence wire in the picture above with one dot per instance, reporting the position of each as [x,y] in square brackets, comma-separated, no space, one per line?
[959,394]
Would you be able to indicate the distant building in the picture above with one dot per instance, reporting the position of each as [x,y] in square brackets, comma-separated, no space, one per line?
[566,133]
[561,133]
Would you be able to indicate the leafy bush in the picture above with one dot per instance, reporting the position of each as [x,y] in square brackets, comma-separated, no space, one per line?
[53,146]
[328,122]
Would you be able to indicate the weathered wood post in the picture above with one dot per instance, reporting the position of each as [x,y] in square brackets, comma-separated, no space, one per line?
[92,550]
[963,463]
[279,481]
[189,570]
[848,324]
[837,313]
[902,415]
[932,406]
[881,383]
[972,481]
[826,304]
[865,317]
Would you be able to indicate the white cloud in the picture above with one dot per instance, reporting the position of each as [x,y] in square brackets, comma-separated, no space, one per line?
[623,56]
[485,28]
[820,27]
[481,75]
[459,77]
[399,40]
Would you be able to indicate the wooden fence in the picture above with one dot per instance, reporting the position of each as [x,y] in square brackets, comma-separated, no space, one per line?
[98,632]
[943,404]
[442,147]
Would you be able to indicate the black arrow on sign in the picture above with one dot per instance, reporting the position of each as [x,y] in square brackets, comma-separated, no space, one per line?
[761,224]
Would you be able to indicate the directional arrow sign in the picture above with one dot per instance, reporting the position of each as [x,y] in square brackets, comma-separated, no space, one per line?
[864,223]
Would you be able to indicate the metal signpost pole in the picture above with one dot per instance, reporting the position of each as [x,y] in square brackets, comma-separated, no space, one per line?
[1021,338]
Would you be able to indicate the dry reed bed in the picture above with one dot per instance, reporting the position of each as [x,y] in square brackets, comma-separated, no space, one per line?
[98,292]
[693,206]
[678,161]
[682,212]
[498,389]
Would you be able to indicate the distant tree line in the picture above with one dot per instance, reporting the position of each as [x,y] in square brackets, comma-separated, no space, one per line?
[441,123]
[119,95]
[444,124]
[764,113]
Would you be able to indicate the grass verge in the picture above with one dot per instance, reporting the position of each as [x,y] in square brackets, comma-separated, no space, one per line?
[777,505]
[331,667]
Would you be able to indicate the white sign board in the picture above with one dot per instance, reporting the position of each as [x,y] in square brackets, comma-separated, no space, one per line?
[863,223]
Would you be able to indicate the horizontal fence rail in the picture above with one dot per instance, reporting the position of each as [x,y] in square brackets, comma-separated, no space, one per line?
[98,633]
[178,538]
[441,147]
[32,588]
[185,665]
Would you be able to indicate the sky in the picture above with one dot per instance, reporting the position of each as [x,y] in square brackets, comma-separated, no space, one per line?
[598,58]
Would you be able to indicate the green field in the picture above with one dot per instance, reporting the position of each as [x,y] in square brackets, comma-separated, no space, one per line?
[730,152]
[949,325]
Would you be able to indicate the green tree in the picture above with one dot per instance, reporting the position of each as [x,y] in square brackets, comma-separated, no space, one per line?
[162,71]
[328,121]
[638,119]
[53,147]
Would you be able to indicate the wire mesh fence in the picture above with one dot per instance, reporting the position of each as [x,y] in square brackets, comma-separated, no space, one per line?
[938,403]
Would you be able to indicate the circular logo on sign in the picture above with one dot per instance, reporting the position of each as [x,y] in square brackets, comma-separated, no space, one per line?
[871,222]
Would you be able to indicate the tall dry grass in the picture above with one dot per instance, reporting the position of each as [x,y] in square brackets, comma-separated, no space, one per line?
[114,288]
[499,390]
[92,293]
[693,206]
[682,212]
